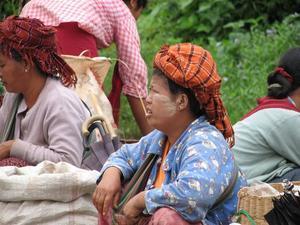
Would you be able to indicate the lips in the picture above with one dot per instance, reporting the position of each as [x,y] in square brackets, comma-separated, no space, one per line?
[148,112]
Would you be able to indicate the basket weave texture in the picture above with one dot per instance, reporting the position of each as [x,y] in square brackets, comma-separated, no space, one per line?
[257,206]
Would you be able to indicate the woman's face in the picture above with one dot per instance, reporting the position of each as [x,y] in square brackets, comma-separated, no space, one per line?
[160,104]
[12,74]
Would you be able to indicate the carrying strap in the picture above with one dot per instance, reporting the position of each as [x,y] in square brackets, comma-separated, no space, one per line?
[228,189]
[138,181]
[9,126]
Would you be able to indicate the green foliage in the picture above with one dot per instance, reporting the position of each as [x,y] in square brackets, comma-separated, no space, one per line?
[9,7]
[190,19]
[245,59]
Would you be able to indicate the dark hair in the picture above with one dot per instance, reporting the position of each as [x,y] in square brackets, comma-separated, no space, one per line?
[279,85]
[194,105]
[140,3]
[16,55]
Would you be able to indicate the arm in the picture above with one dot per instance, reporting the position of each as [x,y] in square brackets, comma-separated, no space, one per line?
[122,163]
[58,128]
[107,192]
[128,158]
[4,110]
[2,121]
[134,74]
[139,114]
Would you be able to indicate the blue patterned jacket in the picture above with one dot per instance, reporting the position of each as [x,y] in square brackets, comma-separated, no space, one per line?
[198,167]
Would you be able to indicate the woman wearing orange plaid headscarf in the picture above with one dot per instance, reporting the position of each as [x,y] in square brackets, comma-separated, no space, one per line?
[195,179]
[40,118]
[193,67]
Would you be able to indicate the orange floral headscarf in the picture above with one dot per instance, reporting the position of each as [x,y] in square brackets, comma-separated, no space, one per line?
[193,67]
[35,42]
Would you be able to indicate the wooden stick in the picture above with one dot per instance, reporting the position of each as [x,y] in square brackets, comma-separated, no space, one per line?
[141,100]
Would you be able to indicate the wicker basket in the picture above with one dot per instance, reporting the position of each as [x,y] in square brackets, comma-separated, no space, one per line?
[257,206]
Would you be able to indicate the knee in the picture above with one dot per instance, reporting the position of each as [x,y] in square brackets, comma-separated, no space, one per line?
[167,216]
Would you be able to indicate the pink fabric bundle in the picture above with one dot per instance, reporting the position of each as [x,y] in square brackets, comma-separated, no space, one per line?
[11,161]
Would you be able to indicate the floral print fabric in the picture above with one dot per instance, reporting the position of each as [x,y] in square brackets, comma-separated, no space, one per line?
[198,167]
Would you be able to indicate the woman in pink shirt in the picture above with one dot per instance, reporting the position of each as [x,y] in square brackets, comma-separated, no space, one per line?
[41,117]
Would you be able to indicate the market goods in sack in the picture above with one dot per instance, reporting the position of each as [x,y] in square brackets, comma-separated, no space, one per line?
[47,194]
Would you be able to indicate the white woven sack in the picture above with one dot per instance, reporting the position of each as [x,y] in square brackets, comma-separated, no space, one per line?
[91,73]
[49,193]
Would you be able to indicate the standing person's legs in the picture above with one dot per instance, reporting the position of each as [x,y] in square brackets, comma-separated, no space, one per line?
[115,94]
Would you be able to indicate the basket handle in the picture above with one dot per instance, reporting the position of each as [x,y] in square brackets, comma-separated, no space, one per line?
[243,212]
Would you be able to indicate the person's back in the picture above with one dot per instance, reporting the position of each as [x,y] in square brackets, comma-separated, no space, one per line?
[267,141]
[263,144]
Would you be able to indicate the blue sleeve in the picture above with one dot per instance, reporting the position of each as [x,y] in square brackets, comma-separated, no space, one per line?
[128,158]
[199,183]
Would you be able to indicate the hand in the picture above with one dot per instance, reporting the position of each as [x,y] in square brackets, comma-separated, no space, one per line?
[5,148]
[132,210]
[108,191]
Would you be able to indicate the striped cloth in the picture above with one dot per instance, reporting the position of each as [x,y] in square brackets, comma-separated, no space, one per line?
[193,67]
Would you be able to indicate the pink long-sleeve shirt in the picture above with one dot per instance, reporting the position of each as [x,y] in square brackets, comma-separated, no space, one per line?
[51,129]
[110,21]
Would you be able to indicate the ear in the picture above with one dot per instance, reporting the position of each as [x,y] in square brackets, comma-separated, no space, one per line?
[26,66]
[133,4]
[182,102]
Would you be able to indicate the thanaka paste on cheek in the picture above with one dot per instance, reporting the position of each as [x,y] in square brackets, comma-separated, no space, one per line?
[168,107]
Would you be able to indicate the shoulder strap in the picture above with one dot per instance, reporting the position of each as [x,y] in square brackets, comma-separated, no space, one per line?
[138,181]
[228,189]
[10,122]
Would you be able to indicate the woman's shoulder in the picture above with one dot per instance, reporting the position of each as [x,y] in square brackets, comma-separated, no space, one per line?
[55,95]
[202,131]
[55,91]
[266,118]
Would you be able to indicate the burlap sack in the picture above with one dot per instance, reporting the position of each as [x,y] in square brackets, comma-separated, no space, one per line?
[49,193]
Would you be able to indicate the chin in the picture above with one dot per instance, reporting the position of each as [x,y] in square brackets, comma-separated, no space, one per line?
[151,122]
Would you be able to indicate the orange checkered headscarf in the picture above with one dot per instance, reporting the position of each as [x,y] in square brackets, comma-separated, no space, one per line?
[35,42]
[193,67]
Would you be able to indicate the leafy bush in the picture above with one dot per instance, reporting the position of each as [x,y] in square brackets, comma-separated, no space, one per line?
[10,7]
[190,19]
[245,60]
